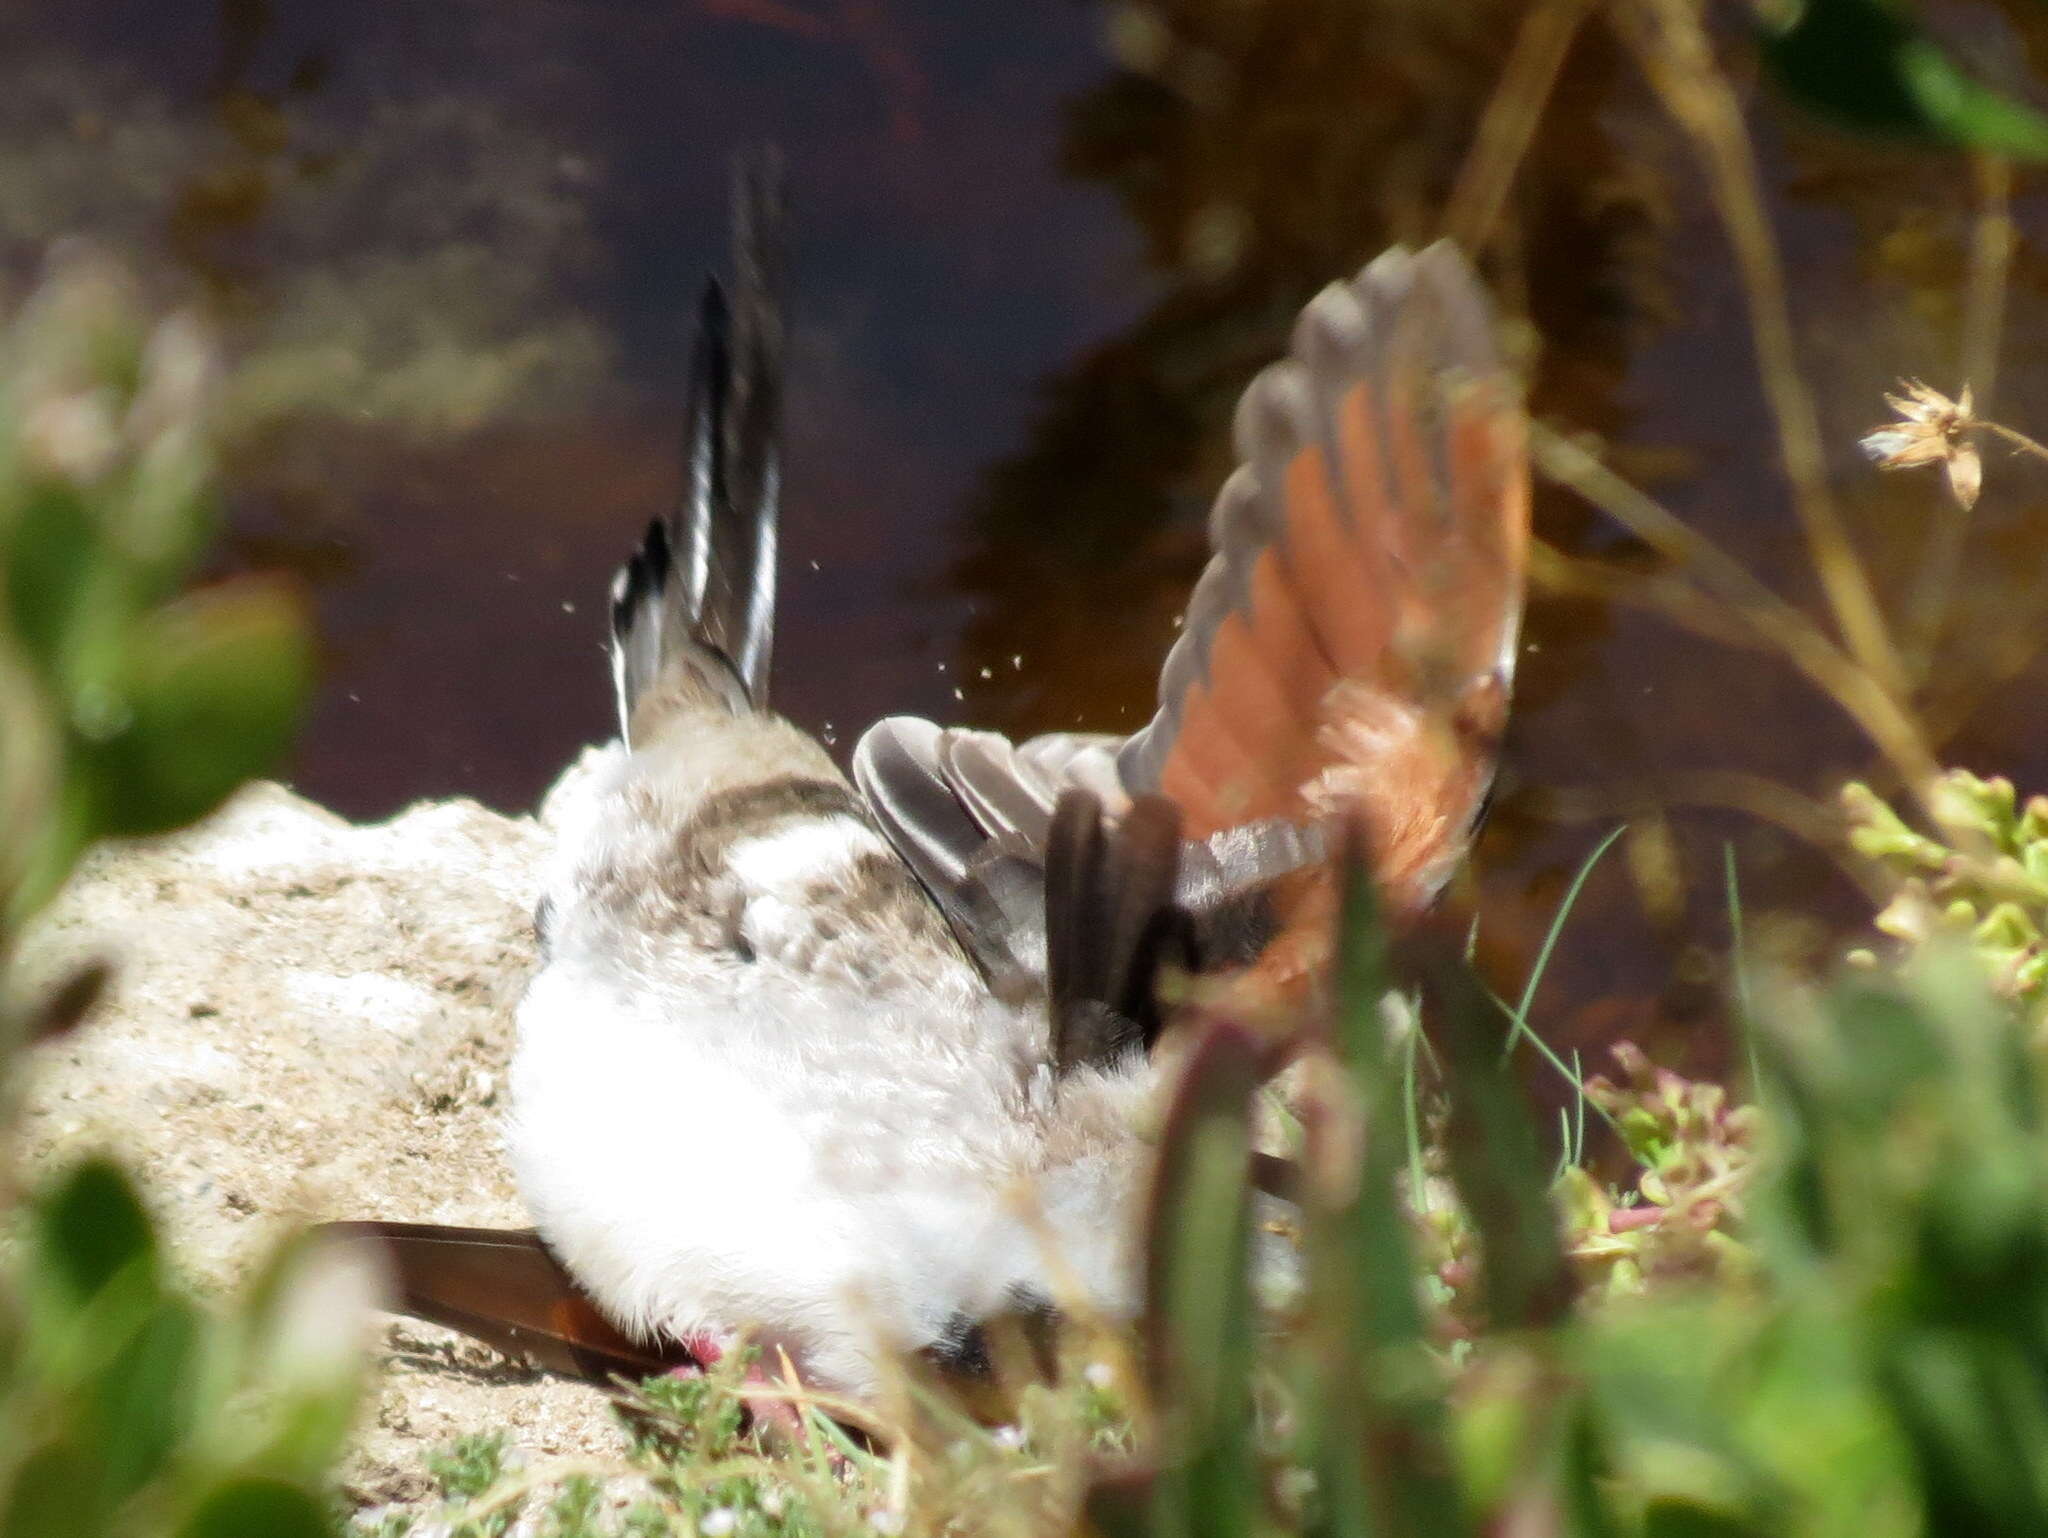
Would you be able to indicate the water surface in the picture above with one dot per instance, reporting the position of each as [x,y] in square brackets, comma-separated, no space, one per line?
[1039,249]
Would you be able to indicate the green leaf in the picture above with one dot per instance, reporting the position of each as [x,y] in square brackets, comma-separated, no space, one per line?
[1972,1407]
[93,1227]
[1496,1162]
[50,850]
[169,509]
[472,1463]
[1200,1325]
[52,556]
[1869,66]
[258,1508]
[1368,1266]
[218,681]
[1689,1517]
[1671,1383]
[302,1321]
[57,1493]
[1370,1394]
[145,1396]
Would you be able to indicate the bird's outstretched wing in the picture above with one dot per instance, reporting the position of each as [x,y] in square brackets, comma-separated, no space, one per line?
[504,1287]
[1348,651]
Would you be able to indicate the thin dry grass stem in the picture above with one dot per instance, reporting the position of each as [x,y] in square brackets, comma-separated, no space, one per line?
[801,1398]
[1678,59]
[1063,1280]
[1873,707]
[898,1498]
[850,1412]
[1071,1299]
[1992,239]
[2016,438]
[1812,822]
[1576,468]
[1508,126]
[1665,593]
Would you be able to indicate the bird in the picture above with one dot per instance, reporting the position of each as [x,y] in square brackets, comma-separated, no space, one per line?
[850,1063]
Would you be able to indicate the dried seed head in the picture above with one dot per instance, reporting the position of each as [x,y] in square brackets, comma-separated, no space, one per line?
[1932,429]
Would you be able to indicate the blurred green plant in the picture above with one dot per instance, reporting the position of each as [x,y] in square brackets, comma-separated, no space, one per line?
[126,706]
[1873,1360]
[1979,879]
[129,707]
[1871,66]
[126,1408]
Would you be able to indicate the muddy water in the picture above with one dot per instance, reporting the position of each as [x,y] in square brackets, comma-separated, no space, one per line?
[1039,249]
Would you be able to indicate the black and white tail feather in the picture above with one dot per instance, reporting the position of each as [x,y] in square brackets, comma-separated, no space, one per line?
[702,585]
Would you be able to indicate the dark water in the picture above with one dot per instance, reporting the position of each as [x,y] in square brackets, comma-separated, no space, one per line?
[1040,247]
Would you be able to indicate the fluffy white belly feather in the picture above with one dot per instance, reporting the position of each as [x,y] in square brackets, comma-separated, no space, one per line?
[672,1185]
[690,1190]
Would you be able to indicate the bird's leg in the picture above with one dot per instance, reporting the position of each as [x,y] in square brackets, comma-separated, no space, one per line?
[770,1413]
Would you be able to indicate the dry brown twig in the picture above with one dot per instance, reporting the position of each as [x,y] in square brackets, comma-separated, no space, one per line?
[1671,43]
[1813,822]
[1508,127]
[1863,671]
[1670,594]
[1992,239]
[1875,708]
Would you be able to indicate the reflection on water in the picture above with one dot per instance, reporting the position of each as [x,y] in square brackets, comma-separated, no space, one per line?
[1040,249]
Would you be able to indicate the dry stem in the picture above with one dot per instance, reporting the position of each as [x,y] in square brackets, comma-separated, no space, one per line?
[1508,126]
[1868,702]
[1679,61]
[1991,246]
[2017,439]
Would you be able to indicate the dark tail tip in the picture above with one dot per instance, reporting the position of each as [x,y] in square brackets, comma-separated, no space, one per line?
[705,575]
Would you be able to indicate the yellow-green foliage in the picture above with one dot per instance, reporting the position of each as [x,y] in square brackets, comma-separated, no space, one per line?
[1983,879]
[1873,1360]
[1696,1156]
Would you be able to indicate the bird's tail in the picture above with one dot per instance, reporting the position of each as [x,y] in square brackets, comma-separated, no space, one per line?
[693,611]
[1113,926]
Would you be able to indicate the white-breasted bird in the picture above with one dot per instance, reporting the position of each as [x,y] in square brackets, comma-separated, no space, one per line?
[856,1064]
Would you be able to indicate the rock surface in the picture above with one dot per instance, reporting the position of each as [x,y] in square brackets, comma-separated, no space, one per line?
[312,1020]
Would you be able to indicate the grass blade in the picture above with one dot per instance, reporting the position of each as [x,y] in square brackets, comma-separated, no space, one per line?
[1739,962]
[1520,1015]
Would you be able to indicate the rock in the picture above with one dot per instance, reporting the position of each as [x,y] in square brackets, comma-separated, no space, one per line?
[311,1020]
